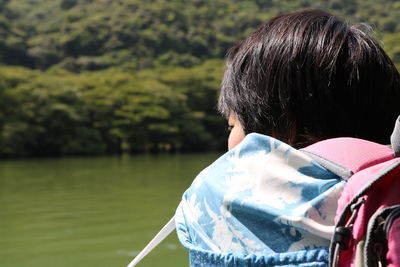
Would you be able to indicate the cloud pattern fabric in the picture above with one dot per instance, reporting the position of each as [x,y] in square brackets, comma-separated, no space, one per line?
[262,203]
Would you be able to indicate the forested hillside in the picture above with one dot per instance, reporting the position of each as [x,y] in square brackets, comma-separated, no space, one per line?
[103,76]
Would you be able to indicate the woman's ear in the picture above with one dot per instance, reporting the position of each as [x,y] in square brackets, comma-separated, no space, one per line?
[237,133]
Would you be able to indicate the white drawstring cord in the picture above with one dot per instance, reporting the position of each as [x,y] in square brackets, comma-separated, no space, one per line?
[164,232]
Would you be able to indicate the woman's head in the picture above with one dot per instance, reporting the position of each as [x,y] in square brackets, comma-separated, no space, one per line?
[307,76]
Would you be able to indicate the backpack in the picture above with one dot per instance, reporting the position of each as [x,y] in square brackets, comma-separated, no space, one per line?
[367,231]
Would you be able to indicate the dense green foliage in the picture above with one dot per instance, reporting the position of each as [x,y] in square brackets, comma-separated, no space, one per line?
[60,113]
[103,76]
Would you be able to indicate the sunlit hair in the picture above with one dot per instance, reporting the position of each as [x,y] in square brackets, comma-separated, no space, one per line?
[307,76]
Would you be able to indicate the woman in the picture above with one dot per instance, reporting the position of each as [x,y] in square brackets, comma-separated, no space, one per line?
[298,79]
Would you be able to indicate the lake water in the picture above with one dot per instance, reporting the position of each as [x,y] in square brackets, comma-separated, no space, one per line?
[92,211]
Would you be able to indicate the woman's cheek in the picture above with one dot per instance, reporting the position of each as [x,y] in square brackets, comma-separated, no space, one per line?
[235,137]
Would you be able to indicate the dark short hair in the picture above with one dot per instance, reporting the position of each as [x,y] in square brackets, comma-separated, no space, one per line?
[308,76]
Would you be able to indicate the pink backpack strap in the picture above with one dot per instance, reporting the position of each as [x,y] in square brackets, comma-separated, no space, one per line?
[346,156]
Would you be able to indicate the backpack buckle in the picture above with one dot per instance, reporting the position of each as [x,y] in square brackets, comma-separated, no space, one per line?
[342,236]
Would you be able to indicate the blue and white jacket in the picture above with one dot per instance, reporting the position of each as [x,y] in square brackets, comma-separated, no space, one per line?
[263,203]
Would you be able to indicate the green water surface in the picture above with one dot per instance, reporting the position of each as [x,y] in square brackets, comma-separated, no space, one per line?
[92,211]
